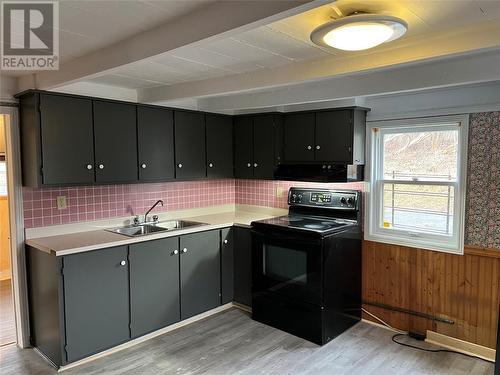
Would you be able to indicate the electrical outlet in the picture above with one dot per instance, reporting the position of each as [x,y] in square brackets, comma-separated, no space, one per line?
[280,192]
[61,203]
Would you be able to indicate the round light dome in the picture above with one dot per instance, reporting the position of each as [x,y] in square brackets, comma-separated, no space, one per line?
[359,32]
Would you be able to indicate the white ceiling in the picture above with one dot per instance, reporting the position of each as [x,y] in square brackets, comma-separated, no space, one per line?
[287,41]
[88,25]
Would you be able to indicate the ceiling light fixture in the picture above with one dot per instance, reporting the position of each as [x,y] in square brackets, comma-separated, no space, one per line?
[359,31]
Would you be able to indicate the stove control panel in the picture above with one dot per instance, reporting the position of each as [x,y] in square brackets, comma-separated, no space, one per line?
[335,199]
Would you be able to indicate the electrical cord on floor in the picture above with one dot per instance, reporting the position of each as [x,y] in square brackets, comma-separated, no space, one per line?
[404,333]
[432,350]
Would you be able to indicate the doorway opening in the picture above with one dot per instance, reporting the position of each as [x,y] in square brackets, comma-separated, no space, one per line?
[7,314]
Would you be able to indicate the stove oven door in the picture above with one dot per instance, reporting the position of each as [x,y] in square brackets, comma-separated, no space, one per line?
[287,263]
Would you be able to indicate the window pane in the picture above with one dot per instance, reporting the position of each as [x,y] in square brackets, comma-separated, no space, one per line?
[419,208]
[430,155]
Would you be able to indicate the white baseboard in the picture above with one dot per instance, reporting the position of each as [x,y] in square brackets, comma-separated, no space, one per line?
[151,335]
[461,346]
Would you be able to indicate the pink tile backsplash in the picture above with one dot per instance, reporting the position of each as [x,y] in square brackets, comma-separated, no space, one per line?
[263,193]
[102,202]
[86,203]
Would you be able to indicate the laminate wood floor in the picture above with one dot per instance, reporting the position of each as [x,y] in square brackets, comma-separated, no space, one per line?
[232,343]
[7,322]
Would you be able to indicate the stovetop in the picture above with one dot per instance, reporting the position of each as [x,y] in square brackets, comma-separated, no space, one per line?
[310,223]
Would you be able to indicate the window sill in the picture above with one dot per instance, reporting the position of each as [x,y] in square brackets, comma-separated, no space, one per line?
[415,243]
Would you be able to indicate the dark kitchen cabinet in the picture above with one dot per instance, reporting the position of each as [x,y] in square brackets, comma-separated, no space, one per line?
[67,139]
[227,265]
[57,142]
[255,146]
[243,147]
[154,285]
[336,136]
[190,155]
[263,146]
[242,266]
[96,301]
[200,272]
[299,137]
[155,139]
[219,141]
[115,140]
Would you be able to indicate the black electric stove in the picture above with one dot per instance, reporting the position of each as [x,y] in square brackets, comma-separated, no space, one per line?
[306,266]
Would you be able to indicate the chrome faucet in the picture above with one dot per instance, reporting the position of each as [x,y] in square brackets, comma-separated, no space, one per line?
[155,218]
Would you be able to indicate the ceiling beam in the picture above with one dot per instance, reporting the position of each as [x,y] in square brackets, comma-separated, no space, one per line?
[452,71]
[415,50]
[219,19]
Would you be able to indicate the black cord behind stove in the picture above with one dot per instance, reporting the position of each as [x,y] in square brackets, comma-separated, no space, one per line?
[432,350]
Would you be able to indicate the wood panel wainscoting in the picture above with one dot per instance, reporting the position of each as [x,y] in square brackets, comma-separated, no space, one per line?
[463,289]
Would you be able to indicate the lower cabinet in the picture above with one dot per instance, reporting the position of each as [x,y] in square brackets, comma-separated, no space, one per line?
[227,265]
[200,272]
[154,285]
[84,303]
[95,301]
[242,266]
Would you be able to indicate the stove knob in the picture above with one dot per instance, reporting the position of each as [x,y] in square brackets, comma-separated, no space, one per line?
[343,200]
[350,201]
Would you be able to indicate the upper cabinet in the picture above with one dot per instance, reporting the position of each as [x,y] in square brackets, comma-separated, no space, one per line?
[256,146]
[190,154]
[336,136]
[115,142]
[67,137]
[219,130]
[155,139]
[74,140]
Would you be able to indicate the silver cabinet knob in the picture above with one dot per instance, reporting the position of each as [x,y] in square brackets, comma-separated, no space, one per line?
[123,263]
[89,166]
[143,165]
[225,241]
[179,165]
[309,147]
[101,166]
[255,165]
[318,147]
[323,166]
[175,252]
[185,250]
[249,165]
[211,165]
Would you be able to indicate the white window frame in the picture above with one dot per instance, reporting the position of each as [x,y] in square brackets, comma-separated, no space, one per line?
[374,231]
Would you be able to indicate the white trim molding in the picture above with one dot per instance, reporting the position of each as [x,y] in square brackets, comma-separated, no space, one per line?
[16,216]
[374,231]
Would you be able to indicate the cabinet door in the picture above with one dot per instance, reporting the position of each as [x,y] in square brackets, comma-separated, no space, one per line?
[155,132]
[154,285]
[243,147]
[263,146]
[219,146]
[242,266]
[67,140]
[299,137]
[96,301]
[200,273]
[334,136]
[189,145]
[227,265]
[115,134]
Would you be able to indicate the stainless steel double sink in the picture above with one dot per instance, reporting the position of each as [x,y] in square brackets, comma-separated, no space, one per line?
[154,227]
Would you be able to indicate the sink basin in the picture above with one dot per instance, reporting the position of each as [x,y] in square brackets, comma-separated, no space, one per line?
[152,228]
[177,224]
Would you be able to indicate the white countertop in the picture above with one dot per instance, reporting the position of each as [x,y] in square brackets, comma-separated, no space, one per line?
[76,238]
